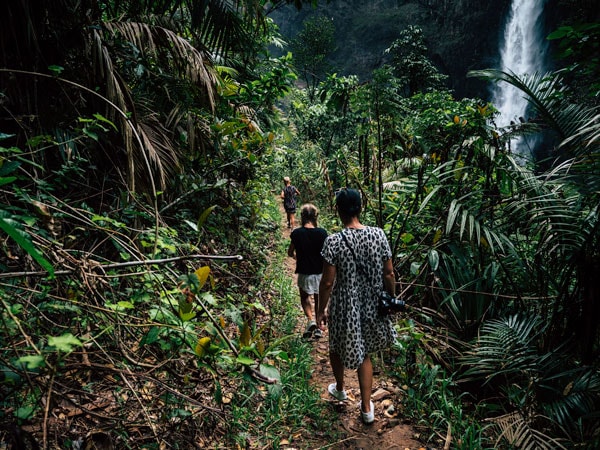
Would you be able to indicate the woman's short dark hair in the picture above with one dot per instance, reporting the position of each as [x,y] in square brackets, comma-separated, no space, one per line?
[348,202]
[309,213]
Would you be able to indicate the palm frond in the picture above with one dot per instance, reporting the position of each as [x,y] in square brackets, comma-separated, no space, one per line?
[519,433]
[159,150]
[222,24]
[468,293]
[184,58]
[193,125]
[505,347]
[588,133]
[573,395]
[458,215]
[546,93]
[548,209]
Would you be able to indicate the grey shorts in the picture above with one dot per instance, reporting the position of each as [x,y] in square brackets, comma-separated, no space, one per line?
[309,283]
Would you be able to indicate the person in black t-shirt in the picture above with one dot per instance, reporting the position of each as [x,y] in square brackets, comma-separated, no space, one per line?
[288,195]
[306,244]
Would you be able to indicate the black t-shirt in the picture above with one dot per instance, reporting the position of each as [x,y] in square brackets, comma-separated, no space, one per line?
[289,198]
[308,243]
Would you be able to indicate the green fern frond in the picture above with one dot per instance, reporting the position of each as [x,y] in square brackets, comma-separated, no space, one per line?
[519,433]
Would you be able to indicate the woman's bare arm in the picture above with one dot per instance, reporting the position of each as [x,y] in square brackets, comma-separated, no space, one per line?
[389,279]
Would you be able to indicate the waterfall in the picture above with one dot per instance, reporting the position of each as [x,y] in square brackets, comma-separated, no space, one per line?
[522,52]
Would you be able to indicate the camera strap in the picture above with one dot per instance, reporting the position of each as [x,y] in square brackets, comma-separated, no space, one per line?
[358,266]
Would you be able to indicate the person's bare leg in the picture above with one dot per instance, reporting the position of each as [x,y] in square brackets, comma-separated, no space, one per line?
[292,220]
[337,366]
[365,382]
[306,306]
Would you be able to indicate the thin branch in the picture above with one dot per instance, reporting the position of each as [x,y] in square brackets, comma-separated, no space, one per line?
[43,273]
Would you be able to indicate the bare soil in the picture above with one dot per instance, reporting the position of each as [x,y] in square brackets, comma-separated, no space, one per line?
[389,431]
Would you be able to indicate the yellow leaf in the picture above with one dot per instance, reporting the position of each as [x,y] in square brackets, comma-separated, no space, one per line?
[246,335]
[437,236]
[222,321]
[204,216]
[456,119]
[202,273]
[202,346]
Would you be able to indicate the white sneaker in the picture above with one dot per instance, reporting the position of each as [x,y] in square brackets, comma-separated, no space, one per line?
[339,395]
[367,417]
[318,333]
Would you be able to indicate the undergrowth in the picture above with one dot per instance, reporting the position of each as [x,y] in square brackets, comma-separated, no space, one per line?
[175,353]
[290,412]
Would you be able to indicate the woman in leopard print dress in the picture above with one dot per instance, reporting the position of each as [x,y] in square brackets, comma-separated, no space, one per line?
[357,266]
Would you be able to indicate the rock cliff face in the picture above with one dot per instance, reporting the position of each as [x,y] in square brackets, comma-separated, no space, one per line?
[461,35]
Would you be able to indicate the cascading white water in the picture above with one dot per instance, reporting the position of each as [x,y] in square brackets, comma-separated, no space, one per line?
[522,52]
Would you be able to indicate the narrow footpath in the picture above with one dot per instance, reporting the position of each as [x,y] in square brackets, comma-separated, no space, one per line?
[389,432]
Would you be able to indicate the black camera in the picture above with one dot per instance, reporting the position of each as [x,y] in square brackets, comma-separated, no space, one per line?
[389,304]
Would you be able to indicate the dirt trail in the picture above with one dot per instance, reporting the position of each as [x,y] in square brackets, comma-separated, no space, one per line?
[389,432]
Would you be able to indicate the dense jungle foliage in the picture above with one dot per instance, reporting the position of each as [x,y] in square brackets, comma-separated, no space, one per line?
[142,146]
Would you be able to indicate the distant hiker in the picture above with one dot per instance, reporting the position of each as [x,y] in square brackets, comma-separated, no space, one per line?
[288,194]
[306,244]
[357,266]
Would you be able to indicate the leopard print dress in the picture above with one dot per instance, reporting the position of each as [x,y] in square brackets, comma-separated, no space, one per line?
[355,327]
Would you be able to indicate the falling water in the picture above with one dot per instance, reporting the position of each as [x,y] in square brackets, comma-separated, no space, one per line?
[522,52]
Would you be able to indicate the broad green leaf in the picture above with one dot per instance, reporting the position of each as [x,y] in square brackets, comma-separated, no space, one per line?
[6,180]
[24,412]
[414,268]
[64,343]
[187,316]
[407,238]
[32,361]
[90,134]
[151,336]
[8,167]
[184,306]
[23,240]
[270,371]
[208,298]
[101,118]
[244,360]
